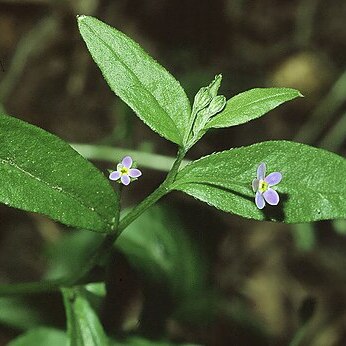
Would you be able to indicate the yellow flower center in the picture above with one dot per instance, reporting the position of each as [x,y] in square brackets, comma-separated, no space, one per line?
[262,186]
[124,170]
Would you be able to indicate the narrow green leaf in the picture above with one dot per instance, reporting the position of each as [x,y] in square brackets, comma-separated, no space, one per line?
[312,188]
[157,245]
[143,159]
[340,226]
[252,104]
[70,252]
[304,236]
[41,173]
[41,337]
[19,313]
[83,325]
[150,90]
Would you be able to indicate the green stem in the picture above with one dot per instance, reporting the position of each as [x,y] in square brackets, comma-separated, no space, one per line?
[162,190]
[335,136]
[191,123]
[104,248]
[31,287]
[299,336]
[143,159]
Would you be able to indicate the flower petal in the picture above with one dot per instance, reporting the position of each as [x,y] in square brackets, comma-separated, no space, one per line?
[261,171]
[255,184]
[125,179]
[271,196]
[119,167]
[259,200]
[127,161]
[114,175]
[135,173]
[273,178]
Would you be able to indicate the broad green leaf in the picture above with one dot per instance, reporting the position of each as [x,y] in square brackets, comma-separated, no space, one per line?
[157,245]
[150,90]
[41,337]
[312,188]
[83,325]
[252,104]
[41,173]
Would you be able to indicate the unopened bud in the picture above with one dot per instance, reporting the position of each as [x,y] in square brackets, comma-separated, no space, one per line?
[216,105]
[202,98]
[215,85]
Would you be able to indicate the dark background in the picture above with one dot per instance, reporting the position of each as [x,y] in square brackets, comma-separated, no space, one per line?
[277,271]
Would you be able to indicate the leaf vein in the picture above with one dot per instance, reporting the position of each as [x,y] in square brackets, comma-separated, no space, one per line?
[136,77]
[54,187]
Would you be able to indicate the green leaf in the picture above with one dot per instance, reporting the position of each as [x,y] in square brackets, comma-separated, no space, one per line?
[340,226]
[41,173]
[150,90]
[215,85]
[70,252]
[312,188]
[19,313]
[157,246]
[41,337]
[139,341]
[98,289]
[252,104]
[304,236]
[83,325]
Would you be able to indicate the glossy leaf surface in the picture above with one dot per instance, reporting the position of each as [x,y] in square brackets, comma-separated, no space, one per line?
[312,188]
[41,173]
[150,90]
[252,104]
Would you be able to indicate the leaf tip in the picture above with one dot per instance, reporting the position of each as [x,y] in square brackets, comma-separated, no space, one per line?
[80,17]
[218,76]
[297,93]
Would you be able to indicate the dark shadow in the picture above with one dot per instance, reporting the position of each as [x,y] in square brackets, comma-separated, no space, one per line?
[307,309]
[239,194]
[276,212]
[270,212]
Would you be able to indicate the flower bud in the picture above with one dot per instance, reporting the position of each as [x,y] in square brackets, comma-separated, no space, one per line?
[216,105]
[202,98]
[215,85]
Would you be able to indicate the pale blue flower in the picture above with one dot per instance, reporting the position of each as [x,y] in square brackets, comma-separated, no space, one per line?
[124,171]
[262,186]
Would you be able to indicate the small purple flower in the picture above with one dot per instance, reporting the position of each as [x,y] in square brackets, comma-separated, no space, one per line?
[125,172]
[262,186]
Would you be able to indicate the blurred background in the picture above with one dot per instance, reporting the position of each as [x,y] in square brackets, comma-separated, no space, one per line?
[235,281]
